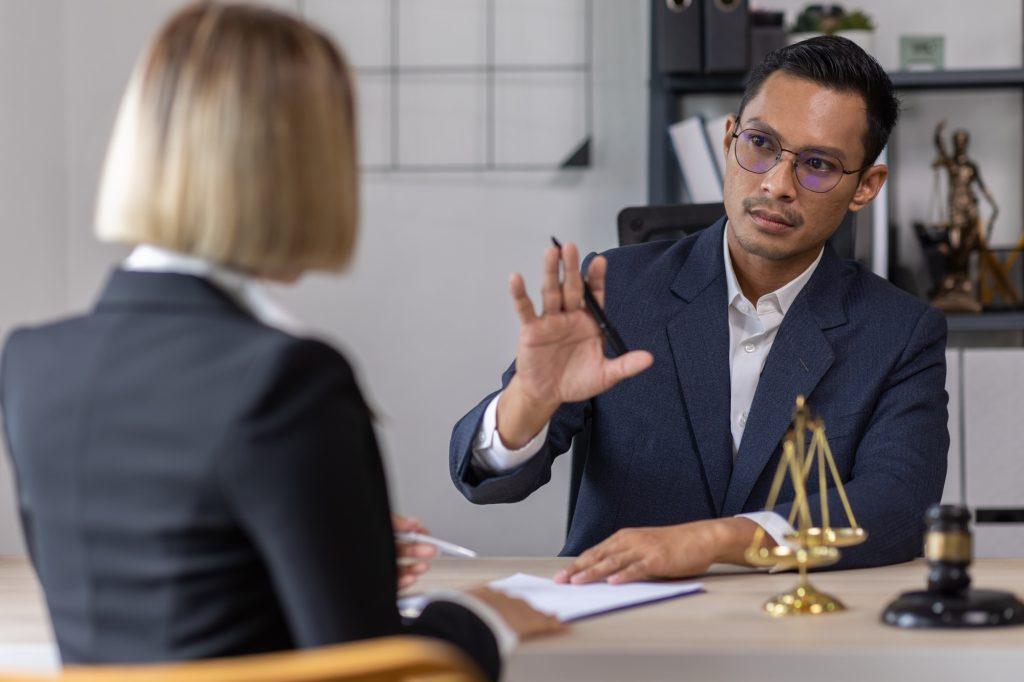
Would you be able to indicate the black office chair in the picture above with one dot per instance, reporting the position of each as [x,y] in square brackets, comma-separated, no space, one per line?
[641,224]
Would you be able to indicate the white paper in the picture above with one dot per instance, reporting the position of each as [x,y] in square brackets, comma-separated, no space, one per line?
[573,602]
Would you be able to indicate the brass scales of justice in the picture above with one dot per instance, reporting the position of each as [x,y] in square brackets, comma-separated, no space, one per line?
[810,546]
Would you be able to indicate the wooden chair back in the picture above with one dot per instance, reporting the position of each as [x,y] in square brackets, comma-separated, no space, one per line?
[387,659]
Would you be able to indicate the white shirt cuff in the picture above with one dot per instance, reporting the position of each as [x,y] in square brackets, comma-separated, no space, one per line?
[505,636]
[491,455]
[776,526]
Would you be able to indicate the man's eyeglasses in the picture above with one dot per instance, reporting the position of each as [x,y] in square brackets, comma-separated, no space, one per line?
[759,152]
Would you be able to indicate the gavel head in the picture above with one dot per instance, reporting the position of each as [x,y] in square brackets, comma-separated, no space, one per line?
[947,548]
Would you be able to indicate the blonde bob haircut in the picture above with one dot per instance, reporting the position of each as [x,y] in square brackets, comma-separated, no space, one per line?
[235,142]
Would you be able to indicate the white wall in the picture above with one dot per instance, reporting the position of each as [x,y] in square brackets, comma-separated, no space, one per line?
[33,181]
[423,314]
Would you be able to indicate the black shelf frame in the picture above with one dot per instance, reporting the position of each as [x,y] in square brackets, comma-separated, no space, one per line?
[992,321]
[664,180]
[954,79]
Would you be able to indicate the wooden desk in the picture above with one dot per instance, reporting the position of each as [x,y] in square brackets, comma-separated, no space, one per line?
[26,641]
[723,634]
[720,635]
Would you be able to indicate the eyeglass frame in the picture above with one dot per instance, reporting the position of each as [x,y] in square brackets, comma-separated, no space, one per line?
[796,155]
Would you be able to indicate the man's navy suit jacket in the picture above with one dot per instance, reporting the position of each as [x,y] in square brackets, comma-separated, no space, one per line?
[869,358]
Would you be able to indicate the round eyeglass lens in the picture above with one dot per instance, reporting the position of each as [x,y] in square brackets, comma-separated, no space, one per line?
[818,172]
[756,151]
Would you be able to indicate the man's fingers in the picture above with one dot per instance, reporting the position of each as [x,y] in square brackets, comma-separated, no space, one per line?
[603,568]
[572,286]
[625,366]
[566,574]
[631,573]
[524,306]
[583,562]
[551,291]
[595,277]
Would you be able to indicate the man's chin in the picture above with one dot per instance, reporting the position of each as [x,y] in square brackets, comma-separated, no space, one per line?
[767,246]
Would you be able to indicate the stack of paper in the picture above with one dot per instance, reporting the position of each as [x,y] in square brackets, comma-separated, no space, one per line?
[574,602]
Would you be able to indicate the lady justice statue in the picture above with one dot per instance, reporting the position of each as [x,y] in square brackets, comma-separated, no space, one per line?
[964,233]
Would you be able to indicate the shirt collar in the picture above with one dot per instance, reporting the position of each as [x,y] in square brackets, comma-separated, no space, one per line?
[783,296]
[244,289]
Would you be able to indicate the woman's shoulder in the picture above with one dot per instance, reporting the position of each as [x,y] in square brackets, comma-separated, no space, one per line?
[288,352]
[283,367]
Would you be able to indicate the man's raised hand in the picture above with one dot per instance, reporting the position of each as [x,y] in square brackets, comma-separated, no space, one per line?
[560,355]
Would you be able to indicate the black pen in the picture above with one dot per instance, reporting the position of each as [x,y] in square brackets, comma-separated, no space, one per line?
[614,340]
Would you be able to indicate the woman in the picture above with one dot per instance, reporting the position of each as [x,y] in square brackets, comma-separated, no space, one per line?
[194,481]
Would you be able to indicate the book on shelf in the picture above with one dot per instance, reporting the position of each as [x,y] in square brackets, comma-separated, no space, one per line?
[697,160]
[715,129]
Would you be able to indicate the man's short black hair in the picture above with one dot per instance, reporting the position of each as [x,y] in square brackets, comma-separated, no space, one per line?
[838,64]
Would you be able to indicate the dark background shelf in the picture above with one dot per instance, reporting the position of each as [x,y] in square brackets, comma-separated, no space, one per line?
[959,79]
[986,322]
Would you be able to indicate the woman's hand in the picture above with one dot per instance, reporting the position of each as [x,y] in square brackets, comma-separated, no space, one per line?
[523,619]
[413,557]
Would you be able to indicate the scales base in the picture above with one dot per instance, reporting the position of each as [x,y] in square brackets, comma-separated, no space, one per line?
[803,599]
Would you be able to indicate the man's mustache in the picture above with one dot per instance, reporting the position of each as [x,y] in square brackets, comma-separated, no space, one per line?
[790,216]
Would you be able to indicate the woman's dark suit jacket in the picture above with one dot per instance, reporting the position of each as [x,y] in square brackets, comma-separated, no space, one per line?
[195,484]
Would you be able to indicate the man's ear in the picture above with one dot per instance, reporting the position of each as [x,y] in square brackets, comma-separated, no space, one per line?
[730,123]
[870,185]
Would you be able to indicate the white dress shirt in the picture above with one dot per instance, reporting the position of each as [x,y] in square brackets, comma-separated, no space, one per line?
[253,297]
[752,330]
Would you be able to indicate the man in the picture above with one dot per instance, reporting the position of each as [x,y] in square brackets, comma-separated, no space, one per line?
[736,322]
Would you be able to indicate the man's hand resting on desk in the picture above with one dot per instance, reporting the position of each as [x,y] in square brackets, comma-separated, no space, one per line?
[560,354]
[413,557]
[664,552]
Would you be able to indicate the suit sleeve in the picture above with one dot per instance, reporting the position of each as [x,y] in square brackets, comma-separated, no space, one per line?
[305,480]
[903,449]
[517,483]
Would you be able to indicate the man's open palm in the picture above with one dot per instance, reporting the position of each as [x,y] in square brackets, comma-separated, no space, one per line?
[560,355]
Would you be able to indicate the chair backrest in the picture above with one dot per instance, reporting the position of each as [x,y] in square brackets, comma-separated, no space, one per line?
[388,659]
[640,224]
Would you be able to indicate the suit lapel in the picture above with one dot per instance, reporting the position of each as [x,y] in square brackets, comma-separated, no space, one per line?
[799,358]
[701,357]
